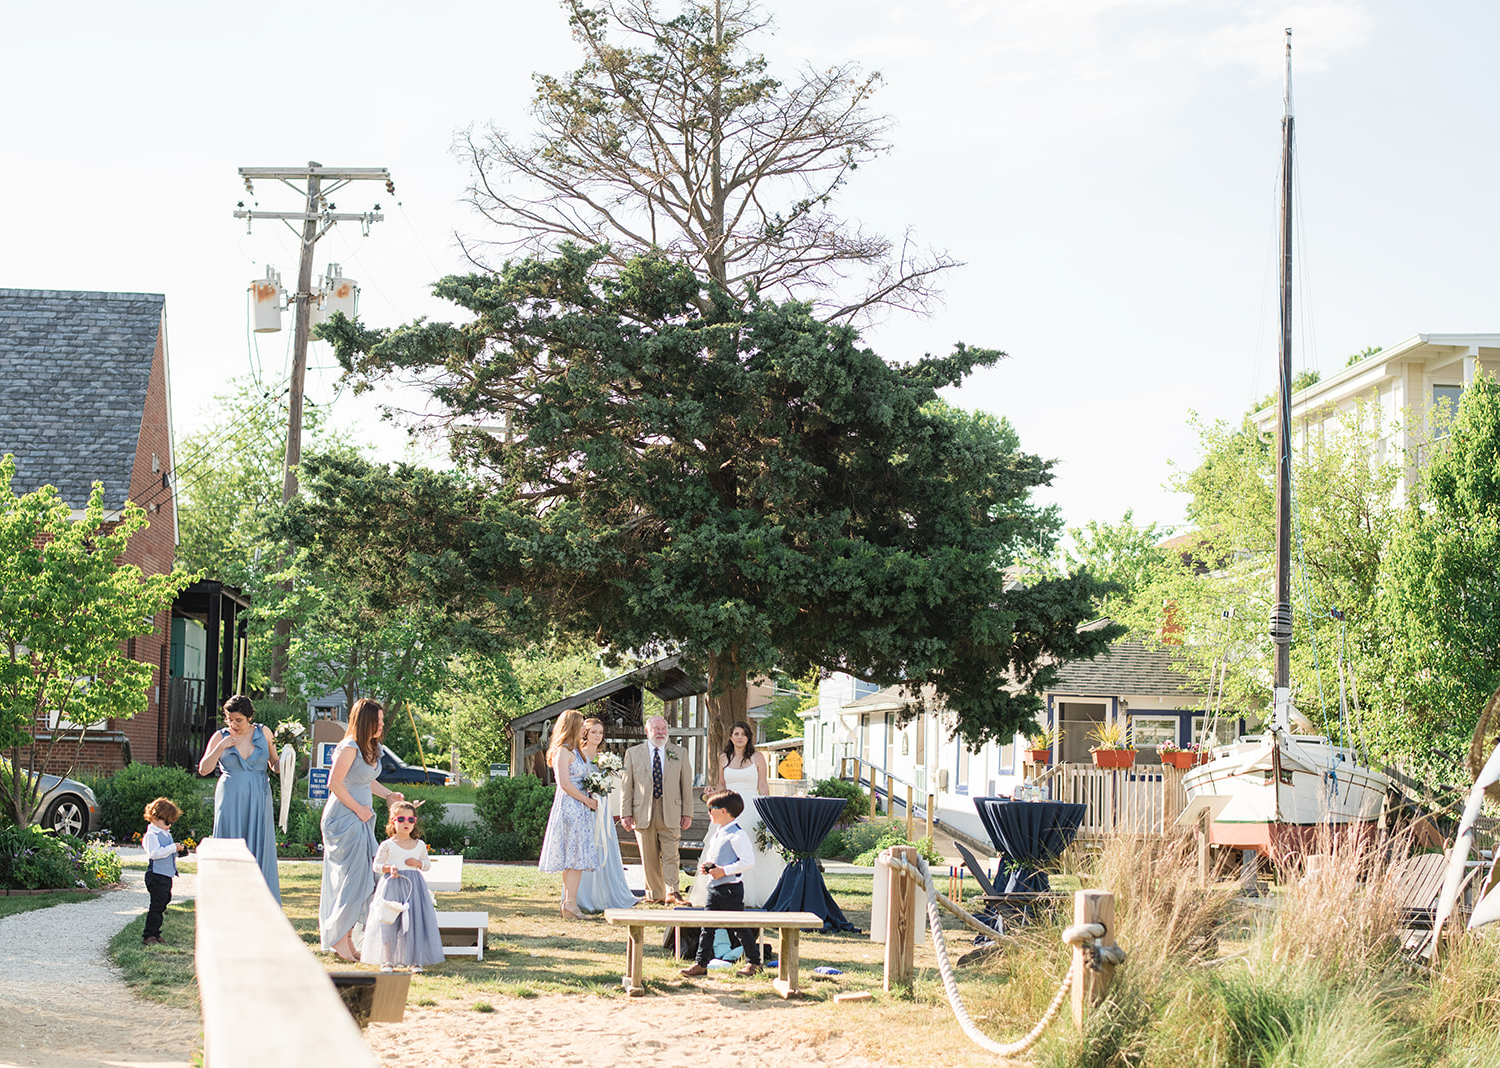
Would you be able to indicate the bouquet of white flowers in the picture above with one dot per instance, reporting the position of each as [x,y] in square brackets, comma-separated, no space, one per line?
[602,781]
[289,733]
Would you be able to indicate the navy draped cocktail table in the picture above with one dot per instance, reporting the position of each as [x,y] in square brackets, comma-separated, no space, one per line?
[800,824]
[1028,835]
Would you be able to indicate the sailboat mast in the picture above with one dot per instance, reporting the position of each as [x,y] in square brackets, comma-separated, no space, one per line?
[1281,611]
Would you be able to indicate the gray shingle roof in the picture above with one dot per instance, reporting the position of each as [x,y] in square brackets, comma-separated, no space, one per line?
[1127,667]
[74,367]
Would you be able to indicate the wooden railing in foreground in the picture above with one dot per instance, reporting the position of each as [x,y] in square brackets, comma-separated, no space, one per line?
[1140,800]
[266,999]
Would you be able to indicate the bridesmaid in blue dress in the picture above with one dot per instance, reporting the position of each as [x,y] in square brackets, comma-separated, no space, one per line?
[349,829]
[242,798]
[605,887]
[569,845]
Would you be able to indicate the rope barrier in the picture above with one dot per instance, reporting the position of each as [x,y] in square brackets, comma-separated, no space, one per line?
[1077,935]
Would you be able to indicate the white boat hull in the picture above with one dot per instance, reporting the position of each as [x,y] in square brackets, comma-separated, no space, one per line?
[1284,790]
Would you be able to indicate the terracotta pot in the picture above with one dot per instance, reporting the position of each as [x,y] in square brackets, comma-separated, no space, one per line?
[1114,758]
[1180,760]
[1040,756]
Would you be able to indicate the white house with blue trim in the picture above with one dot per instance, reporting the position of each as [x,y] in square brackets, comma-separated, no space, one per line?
[1133,680]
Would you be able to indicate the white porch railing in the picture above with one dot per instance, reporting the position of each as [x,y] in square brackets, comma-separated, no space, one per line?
[1140,800]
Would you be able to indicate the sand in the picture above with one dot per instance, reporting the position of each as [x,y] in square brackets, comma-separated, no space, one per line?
[681,1030]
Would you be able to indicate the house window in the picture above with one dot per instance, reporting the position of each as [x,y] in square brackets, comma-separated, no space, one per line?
[961,779]
[1444,408]
[1148,732]
[1007,764]
[1226,729]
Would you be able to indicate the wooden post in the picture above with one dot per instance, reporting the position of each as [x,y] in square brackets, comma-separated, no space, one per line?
[1204,822]
[910,818]
[931,804]
[900,919]
[874,797]
[1091,983]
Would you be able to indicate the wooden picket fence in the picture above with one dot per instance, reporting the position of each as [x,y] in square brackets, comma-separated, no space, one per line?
[1143,800]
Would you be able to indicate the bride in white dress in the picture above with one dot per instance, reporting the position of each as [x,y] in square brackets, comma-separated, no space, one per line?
[743,770]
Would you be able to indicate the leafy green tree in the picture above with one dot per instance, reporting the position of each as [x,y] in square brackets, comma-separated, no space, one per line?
[487,693]
[673,138]
[1220,584]
[1441,593]
[793,697]
[1128,557]
[67,607]
[752,490]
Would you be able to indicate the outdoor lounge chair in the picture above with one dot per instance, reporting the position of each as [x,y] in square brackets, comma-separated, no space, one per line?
[1418,883]
[975,869]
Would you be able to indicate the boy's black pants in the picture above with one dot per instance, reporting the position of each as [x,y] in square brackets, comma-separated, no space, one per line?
[159,886]
[728,898]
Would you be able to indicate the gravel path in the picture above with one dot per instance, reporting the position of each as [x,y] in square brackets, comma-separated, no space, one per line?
[64,1005]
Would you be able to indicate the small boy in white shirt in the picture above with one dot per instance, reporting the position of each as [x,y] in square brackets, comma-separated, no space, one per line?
[728,854]
[161,864]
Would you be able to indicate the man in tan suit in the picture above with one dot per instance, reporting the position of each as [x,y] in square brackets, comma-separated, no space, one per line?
[658,807]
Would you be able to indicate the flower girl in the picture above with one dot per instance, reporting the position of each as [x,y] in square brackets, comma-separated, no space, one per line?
[402,928]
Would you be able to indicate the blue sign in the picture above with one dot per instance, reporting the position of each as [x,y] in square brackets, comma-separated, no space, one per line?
[325,754]
[317,784]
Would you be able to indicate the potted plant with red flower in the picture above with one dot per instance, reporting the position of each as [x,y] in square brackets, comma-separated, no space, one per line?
[1111,749]
[1183,757]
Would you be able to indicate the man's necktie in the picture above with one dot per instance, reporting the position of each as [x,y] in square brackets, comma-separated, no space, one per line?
[655,772]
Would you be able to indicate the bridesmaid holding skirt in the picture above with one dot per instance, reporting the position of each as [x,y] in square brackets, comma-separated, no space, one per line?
[349,829]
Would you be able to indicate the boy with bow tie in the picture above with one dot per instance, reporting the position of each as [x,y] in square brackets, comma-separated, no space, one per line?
[727,856]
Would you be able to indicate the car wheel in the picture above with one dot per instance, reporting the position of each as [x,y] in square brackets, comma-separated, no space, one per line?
[68,815]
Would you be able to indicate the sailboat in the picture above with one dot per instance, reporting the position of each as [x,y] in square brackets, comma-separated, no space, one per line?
[1277,791]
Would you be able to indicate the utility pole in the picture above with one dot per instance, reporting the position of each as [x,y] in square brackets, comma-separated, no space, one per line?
[316,217]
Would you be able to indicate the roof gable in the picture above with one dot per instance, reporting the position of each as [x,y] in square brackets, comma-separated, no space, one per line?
[74,370]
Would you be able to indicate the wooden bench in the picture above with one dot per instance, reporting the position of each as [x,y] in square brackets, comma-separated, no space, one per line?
[790,924]
[446,874]
[463,933]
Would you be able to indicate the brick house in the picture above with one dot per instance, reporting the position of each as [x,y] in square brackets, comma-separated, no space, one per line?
[85,397]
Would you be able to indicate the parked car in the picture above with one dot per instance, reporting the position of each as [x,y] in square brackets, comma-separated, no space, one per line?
[394,769]
[66,805]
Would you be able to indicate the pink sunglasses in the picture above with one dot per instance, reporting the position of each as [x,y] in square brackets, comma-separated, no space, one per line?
[405,819]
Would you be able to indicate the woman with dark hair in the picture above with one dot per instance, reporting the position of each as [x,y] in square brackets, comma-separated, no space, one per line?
[744,771]
[349,829]
[243,755]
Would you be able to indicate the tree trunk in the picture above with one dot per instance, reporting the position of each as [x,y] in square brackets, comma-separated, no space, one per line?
[727,698]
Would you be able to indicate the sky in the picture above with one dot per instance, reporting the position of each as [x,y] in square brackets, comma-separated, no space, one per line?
[1106,171]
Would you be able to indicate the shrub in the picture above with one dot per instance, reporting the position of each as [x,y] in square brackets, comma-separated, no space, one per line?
[125,794]
[303,822]
[101,864]
[858,800]
[429,812]
[494,845]
[444,837]
[35,859]
[518,806]
[834,846]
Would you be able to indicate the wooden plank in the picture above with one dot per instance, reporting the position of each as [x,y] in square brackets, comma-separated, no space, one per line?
[252,966]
